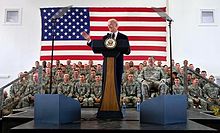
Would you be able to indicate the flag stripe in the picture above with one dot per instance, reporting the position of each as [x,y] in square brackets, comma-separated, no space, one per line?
[132,33]
[122,14]
[84,43]
[113,9]
[138,38]
[129,28]
[90,52]
[79,47]
[97,57]
[149,19]
[128,24]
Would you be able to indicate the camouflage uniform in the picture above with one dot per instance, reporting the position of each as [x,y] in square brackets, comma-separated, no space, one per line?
[66,88]
[28,99]
[178,90]
[202,83]
[90,80]
[7,106]
[69,69]
[18,88]
[181,77]
[151,78]
[83,93]
[96,93]
[58,79]
[131,92]
[195,97]
[74,81]
[211,94]
[17,91]
[46,86]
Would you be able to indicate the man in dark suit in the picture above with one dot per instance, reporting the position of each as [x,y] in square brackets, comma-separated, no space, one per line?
[115,34]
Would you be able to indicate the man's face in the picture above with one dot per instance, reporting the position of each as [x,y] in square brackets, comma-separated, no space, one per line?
[66,77]
[82,78]
[98,78]
[211,78]
[112,26]
[59,72]
[130,77]
[196,81]
[177,81]
[151,60]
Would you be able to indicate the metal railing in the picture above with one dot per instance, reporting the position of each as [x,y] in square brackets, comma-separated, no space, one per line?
[10,83]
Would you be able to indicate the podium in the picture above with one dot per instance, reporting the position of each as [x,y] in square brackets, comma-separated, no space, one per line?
[110,102]
[56,109]
[164,109]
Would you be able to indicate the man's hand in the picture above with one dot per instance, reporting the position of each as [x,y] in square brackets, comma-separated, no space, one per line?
[86,36]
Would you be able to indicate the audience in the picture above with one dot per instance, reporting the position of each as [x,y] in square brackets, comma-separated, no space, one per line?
[84,83]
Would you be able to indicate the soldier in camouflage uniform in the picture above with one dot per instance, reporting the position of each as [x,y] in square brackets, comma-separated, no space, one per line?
[17,89]
[152,80]
[75,77]
[211,93]
[195,97]
[131,90]
[81,68]
[33,87]
[178,89]
[99,68]
[180,75]
[59,76]
[189,78]
[140,68]
[46,83]
[90,64]
[166,71]
[68,67]
[83,91]
[66,87]
[134,70]
[7,104]
[202,82]
[96,90]
[91,77]
[86,69]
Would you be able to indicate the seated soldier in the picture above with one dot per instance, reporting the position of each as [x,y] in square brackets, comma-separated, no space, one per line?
[177,88]
[96,91]
[152,80]
[7,107]
[131,91]
[33,87]
[83,91]
[211,93]
[17,89]
[66,87]
[195,97]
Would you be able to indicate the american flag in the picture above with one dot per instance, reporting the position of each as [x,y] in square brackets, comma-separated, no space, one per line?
[145,29]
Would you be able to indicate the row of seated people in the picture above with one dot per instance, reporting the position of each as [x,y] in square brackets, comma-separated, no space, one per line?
[137,85]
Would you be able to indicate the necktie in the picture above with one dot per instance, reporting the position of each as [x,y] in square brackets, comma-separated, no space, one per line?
[113,35]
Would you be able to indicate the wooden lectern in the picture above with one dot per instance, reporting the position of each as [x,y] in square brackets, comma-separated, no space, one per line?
[110,102]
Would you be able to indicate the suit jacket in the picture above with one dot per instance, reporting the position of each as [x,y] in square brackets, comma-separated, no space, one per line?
[120,58]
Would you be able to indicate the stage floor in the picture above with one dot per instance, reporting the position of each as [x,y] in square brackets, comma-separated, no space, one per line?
[130,123]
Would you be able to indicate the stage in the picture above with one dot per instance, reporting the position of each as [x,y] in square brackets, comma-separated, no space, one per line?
[24,122]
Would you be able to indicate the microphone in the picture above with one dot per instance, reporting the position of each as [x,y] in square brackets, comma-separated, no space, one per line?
[108,35]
